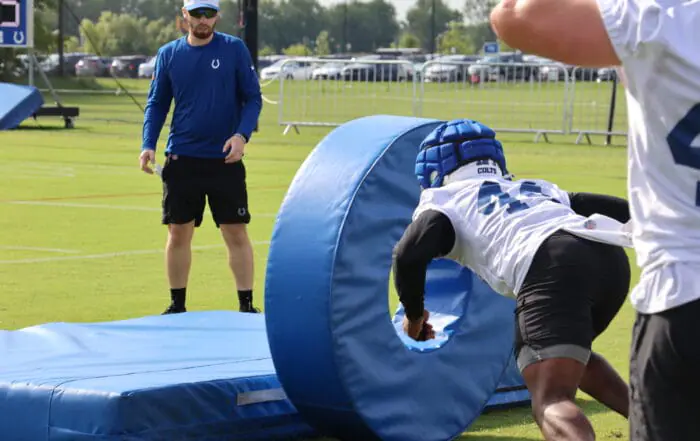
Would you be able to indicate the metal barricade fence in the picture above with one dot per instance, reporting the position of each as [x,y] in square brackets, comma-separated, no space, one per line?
[329,92]
[597,104]
[510,97]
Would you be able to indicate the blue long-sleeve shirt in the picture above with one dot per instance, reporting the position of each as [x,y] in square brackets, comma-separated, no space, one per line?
[216,93]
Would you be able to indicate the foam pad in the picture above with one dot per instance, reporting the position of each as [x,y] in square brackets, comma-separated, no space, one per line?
[335,350]
[187,377]
[448,286]
[18,103]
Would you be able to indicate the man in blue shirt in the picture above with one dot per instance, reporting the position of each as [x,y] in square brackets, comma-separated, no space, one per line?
[211,78]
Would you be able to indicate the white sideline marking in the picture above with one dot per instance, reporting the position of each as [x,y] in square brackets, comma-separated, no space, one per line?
[115,254]
[48,250]
[79,205]
[106,207]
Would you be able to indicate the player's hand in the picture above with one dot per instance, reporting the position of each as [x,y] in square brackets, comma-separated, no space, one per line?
[234,146]
[147,157]
[419,329]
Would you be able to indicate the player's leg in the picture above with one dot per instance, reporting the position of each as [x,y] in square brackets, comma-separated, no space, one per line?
[664,375]
[600,380]
[552,384]
[228,199]
[183,208]
[554,334]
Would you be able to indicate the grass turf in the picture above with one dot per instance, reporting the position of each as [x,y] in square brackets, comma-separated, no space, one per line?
[82,240]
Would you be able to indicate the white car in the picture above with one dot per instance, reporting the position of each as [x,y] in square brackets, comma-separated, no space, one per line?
[289,69]
[329,71]
[147,69]
[448,68]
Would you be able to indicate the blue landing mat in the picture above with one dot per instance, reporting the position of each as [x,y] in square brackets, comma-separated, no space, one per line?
[204,376]
[17,103]
[201,376]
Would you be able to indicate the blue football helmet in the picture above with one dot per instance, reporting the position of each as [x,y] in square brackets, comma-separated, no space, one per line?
[454,144]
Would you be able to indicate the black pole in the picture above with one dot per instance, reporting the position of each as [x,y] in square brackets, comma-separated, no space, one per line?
[344,49]
[432,28]
[60,37]
[611,115]
[250,29]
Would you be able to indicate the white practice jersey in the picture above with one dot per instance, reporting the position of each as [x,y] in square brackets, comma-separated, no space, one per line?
[499,225]
[658,43]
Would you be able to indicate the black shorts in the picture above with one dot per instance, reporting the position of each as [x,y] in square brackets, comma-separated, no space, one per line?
[573,290]
[189,182]
[665,375]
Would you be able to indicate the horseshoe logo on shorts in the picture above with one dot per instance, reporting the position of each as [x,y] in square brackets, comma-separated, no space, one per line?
[215,63]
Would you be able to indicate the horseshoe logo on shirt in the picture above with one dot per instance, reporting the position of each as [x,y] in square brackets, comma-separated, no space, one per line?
[215,63]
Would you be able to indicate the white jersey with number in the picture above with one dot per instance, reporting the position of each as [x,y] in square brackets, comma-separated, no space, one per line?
[658,43]
[499,225]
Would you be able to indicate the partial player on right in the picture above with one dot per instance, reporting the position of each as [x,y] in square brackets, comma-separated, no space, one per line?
[656,43]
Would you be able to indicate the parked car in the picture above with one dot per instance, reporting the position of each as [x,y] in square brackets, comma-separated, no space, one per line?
[369,69]
[50,65]
[505,66]
[289,69]
[93,67]
[328,71]
[147,69]
[127,66]
[449,68]
[606,74]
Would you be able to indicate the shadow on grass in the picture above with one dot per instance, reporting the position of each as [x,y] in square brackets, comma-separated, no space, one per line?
[36,126]
[508,418]
[497,419]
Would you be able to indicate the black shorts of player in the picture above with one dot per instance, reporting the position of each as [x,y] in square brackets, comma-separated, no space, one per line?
[188,183]
[572,291]
[665,375]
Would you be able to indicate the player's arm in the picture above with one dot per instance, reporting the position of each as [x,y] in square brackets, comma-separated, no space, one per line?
[429,236]
[587,204]
[571,31]
[249,86]
[160,95]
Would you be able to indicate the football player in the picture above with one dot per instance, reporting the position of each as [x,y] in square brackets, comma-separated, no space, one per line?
[559,254]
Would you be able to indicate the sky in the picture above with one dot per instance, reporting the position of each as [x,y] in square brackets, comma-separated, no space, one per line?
[402,6]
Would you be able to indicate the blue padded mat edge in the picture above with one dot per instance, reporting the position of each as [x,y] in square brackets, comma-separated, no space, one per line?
[18,103]
[204,376]
[194,376]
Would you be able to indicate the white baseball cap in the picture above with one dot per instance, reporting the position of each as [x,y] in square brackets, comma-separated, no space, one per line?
[196,4]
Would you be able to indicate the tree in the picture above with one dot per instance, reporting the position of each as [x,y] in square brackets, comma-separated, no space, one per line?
[322,44]
[297,50]
[409,40]
[456,40]
[265,51]
[420,20]
[477,12]
[479,34]
[125,34]
[286,22]
[363,26]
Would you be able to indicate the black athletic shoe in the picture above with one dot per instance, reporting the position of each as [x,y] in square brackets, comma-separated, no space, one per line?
[172,309]
[249,308]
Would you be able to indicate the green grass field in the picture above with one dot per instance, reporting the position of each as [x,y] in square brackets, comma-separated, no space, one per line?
[82,240]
